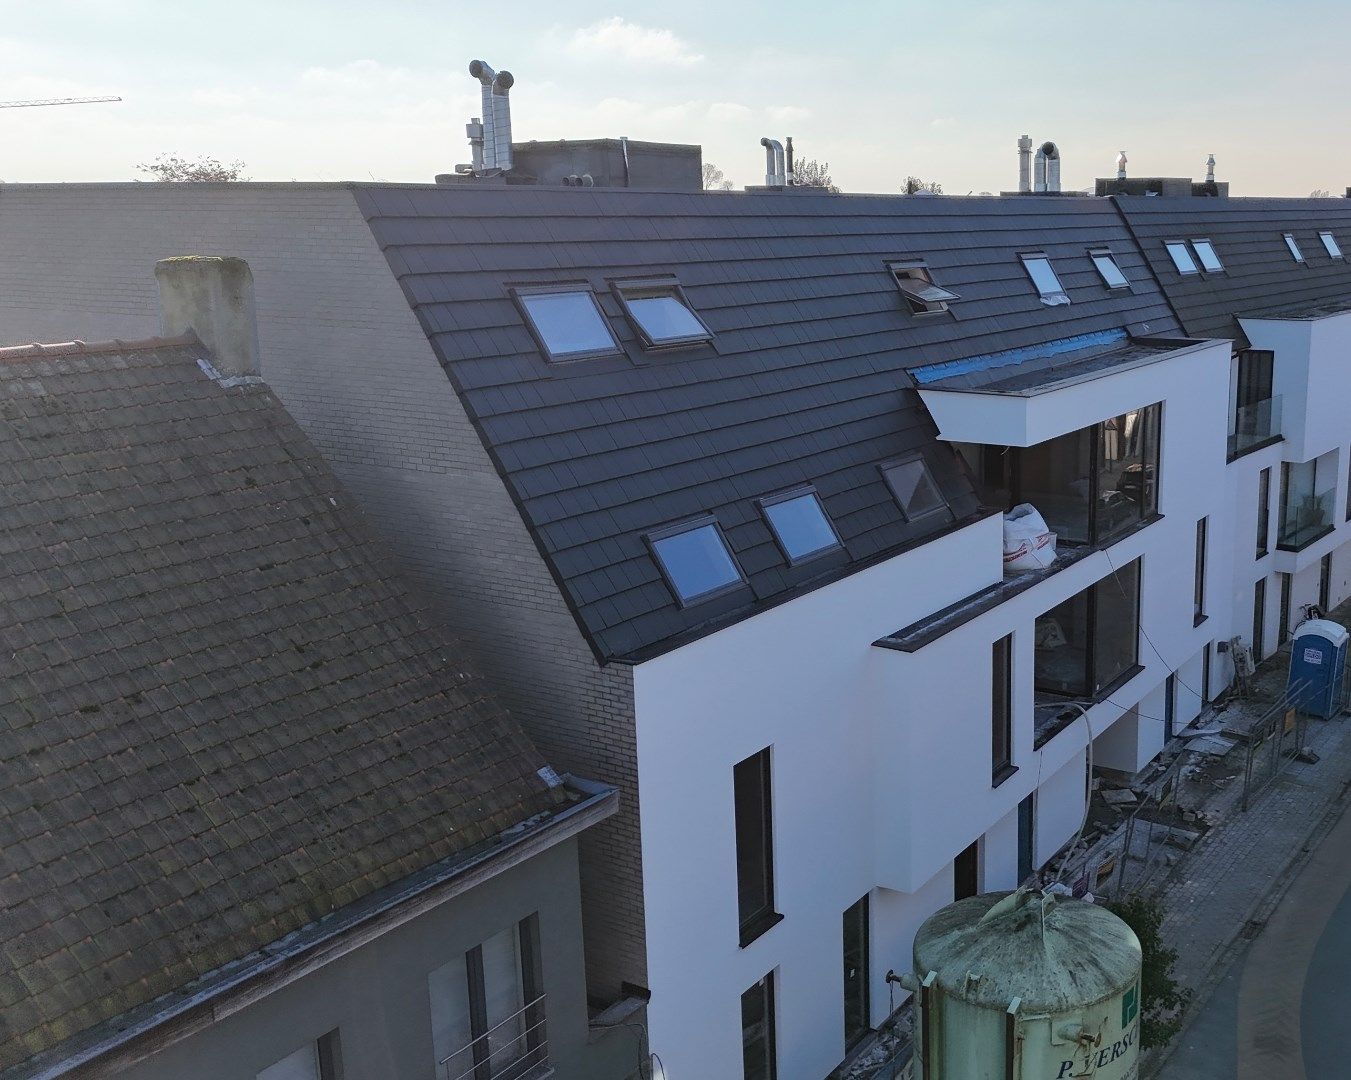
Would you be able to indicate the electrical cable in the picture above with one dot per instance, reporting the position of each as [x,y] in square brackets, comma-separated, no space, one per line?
[1117,578]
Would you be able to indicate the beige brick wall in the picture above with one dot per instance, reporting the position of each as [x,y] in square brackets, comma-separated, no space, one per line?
[346,355]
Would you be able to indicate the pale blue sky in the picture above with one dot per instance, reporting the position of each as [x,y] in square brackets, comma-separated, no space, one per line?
[350,89]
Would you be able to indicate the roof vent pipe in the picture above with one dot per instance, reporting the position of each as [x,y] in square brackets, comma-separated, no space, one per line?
[774,170]
[474,129]
[1048,168]
[1025,163]
[1121,165]
[502,82]
[788,160]
[1210,169]
[485,75]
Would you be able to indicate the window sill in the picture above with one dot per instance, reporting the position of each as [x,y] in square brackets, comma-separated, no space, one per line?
[758,926]
[1002,774]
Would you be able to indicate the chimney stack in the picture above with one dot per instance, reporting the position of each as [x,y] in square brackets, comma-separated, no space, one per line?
[774,169]
[1210,169]
[1048,168]
[493,88]
[211,297]
[1121,165]
[1025,163]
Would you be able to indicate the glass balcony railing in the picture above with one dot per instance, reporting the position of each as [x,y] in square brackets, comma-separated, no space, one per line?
[1254,424]
[1306,517]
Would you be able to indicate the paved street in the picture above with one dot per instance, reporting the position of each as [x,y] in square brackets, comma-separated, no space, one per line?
[1280,1011]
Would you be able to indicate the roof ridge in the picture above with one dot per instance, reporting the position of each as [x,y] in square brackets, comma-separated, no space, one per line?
[66,348]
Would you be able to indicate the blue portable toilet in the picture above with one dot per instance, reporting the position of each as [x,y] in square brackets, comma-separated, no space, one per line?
[1318,660]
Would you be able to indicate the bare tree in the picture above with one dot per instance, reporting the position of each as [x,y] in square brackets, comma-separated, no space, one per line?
[813,174]
[1320,193]
[171,167]
[913,185]
[715,179]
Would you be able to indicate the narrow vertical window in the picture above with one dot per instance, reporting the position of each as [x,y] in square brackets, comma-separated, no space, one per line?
[1264,512]
[1283,627]
[758,1051]
[1027,838]
[966,872]
[1259,619]
[1325,583]
[1001,711]
[1199,583]
[1205,675]
[754,847]
[857,1019]
[1348,489]
[1169,706]
[319,1060]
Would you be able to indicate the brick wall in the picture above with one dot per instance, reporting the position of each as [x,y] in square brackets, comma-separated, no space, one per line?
[347,357]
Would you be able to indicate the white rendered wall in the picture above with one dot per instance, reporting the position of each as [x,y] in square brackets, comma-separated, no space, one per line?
[881,759]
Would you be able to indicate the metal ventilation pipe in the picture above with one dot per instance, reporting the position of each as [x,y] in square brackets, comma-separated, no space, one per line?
[1121,165]
[774,168]
[1025,163]
[1048,168]
[788,162]
[485,75]
[503,82]
[1210,169]
[474,129]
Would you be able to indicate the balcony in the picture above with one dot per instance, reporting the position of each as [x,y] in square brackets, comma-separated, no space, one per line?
[1305,516]
[516,1048]
[1255,426]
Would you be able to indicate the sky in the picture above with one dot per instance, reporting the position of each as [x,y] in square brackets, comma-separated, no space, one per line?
[363,89]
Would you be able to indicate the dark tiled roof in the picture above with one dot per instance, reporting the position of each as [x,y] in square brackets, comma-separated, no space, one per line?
[220,717]
[805,383]
[1259,273]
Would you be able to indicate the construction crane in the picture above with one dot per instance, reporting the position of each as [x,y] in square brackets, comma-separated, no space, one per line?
[54,101]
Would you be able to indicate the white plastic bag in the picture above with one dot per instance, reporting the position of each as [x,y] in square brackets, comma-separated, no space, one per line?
[1028,543]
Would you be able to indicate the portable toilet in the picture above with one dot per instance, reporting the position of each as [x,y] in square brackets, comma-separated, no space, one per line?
[1317,663]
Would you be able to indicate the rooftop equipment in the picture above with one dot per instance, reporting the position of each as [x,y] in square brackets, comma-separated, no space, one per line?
[496,122]
[1047,168]
[1025,164]
[776,175]
[1026,984]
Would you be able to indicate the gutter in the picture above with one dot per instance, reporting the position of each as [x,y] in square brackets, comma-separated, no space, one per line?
[123,1040]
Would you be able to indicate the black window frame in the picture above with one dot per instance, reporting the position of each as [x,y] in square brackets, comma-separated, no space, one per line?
[532,989]
[1199,259]
[1326,235]
[655,536]
[1283,620]
[1264,513]
[1295,251]
[519,294]
[1324,582]
[626,289]
[758,769]
[1027,837]
[1095,254]
[1050,299]
[1259,619]
[1095,689]
[792,495]
[861,914]
[1001,711]
[1168,246]
[943,507]
[1348,487]
[903,270]
[1199,572]
[765,988]
[966,872]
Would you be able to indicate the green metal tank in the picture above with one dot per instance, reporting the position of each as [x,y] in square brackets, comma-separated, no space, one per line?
[1026,986]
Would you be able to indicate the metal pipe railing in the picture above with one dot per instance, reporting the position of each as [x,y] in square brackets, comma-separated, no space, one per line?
[528,1039]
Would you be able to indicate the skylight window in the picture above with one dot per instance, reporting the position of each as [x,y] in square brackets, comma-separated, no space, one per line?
[567,323]
[1182,258]
[800,525]
[1295,253]
[1330,242]
[695,560]
[1044,278]
[1205,251]
[913,485]
[1112,276]
[661,314]
[920,293]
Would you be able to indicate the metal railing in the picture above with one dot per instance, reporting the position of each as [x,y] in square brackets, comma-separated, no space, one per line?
[513,1049]
[1254,424]
[1277,736]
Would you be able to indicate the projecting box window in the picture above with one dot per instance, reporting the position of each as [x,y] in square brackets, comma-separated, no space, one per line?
[1043,276]
[1112,276]
[567,323]
[1293,245]
[800,524]
[661,314]
[913,486]
[1182,258]
[918,290]
[1334,249]
[695,560]
[1205,251]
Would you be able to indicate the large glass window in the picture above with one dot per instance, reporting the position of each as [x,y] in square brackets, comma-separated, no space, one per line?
[568,324]
[661,314]
[1256,410]
[856,1006]
[1044,277]
[1307,505]
[758,1050]
[754,846]
[1001,709]
[1182,258]
[800,525]
[695,560]
[1092,639]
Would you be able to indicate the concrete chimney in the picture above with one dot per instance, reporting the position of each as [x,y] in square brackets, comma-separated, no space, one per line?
[211,297]
[1121,165]
[1025,163]
[1210,169]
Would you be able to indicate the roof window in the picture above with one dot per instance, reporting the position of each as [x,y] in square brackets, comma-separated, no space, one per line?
[1295,253]
[1112,276]
[1182,258]
[695,560]
[800,524]
[1044,278]
[913,485]
[1330,242]
[917,287]
[567,323]
[1205,251]
[661,314]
